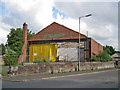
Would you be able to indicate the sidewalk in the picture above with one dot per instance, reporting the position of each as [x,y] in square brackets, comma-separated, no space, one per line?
[49,76]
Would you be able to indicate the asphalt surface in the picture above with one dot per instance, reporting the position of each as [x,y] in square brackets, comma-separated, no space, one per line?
[87,79]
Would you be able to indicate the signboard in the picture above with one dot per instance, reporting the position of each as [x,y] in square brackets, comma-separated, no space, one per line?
[35,54]
[54,35]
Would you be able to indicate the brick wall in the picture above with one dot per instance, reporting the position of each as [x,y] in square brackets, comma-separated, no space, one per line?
[95,48]
[24,48]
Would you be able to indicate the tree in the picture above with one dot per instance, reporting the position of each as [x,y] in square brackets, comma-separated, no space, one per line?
[2,49]
[14,45]
[15,39]
[10,57]
[109,49]
[103,57]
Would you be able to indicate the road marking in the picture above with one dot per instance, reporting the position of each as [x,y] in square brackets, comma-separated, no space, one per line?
[55,77]
[76,75]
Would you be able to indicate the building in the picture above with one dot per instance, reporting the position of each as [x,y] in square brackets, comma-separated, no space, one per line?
[116,56]
[59,41]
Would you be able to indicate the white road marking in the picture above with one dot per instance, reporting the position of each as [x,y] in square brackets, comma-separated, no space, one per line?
[55,77]
[76,74]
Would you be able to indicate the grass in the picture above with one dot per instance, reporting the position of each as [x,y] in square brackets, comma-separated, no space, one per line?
[4,73]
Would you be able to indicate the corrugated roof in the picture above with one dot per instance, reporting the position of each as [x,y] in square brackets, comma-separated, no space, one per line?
[56,31]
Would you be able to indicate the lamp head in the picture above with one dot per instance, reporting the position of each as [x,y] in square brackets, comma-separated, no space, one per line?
[88,15]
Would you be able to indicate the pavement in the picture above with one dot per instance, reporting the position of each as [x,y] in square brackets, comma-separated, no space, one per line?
[51,76]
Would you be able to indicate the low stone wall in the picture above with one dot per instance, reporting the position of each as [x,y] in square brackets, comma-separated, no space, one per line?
[58,67]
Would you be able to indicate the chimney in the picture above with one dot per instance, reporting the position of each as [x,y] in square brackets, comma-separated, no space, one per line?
[24,32]
[23,56]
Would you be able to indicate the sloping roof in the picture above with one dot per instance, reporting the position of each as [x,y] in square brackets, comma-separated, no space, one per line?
[56,29]
[116,55]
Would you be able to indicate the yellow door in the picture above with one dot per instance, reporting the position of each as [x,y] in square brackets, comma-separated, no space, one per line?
[42,52]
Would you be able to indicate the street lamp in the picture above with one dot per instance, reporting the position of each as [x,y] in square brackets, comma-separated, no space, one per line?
[79,39]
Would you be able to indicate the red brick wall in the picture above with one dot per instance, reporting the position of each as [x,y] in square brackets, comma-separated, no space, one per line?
[24,48]
[95,47]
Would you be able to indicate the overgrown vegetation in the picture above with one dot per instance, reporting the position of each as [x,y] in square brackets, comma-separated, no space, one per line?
[39,61]
[13,48]
[109,49]
[102,57]
[10,57]
[4,73]
[76,69]
[105,55]
[2,49]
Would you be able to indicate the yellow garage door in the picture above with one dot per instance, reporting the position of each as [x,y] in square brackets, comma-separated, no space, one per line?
[42,52]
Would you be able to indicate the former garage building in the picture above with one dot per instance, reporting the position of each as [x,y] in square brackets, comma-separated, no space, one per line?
[58,41]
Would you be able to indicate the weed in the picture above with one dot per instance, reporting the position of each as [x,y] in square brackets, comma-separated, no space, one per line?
[76,69]
[92,69]
[52,71]
[44,60]
[4,73]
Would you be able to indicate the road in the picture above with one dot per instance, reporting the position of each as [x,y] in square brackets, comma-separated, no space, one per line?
[94,79]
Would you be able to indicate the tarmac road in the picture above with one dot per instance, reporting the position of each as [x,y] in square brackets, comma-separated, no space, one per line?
[89,79]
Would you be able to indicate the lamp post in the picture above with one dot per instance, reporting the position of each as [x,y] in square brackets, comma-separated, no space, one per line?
[79,39]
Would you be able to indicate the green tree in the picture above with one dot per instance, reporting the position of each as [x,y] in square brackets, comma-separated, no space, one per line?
[10,57]
[102,57]
[15,39]
[14,45]
[109,49]
[2,49]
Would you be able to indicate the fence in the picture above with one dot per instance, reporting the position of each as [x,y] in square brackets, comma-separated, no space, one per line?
[13,59]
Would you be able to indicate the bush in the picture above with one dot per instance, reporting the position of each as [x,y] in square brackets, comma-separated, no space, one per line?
[10,57]
[102,57]
[36,61]
[44,60]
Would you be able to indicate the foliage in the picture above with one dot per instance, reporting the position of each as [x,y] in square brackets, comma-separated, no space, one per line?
[10,57]
[14,45]
[109,49]
[103,57]
[76,69]
[15,39]
[4,73]
[39,61]
[117,51]
[44,60]
[36,61]
[2,49]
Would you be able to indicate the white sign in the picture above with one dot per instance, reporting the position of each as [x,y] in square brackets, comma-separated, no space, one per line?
[35,54]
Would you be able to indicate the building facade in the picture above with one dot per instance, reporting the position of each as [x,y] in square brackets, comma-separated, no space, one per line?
[57,42]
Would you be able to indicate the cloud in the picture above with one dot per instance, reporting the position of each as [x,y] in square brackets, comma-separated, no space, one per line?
[37,13]
[34,12]
[102,26]
[4,31]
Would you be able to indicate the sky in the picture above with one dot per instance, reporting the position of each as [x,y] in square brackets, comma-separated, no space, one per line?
[102,26]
